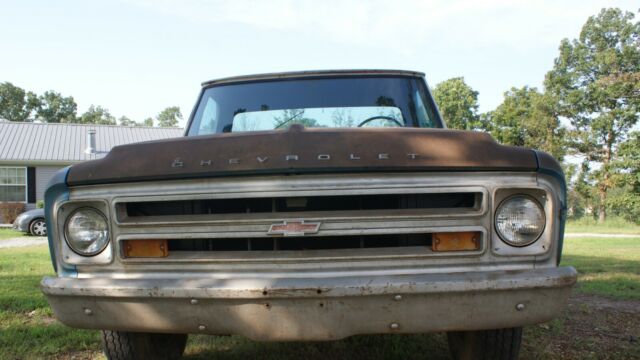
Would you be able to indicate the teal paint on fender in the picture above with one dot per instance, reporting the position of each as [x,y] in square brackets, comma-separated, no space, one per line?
[57,191]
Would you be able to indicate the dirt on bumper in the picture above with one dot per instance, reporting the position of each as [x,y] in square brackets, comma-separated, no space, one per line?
[281,309]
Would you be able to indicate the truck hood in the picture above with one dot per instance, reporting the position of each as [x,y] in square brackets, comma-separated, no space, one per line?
[301,150]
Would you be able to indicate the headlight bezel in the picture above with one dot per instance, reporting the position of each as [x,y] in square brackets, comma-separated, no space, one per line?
[67,236]
[539,206]
[546,192]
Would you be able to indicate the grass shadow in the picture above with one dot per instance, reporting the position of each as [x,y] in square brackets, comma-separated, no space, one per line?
[364,347]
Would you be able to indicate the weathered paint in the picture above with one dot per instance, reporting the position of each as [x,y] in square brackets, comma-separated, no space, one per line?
[314,309]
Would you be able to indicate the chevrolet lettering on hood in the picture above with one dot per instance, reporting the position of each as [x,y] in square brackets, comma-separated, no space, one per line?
[310,206]
[178,163]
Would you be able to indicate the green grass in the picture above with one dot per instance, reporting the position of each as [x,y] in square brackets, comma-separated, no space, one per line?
[611,226]
[27,327]
[609,267]
[9,233]
[606,266]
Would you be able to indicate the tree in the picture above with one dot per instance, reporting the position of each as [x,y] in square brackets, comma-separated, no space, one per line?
[148,122]
[575,201]
[581,193]
[596,79]
[55,108]
[626,200]
[125,121]
[96,115]
[458,104]
[293,116]
[341,117]
[16,104]
[169,117]
[527,118]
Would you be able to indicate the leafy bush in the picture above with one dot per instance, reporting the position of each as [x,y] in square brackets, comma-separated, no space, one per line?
[10,210]
[40,204]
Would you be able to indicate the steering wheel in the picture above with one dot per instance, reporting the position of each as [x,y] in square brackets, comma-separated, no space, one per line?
[380,117]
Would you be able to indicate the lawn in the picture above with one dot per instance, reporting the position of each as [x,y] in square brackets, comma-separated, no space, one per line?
[27,328]
[9,233]
[611,226]
[608,267]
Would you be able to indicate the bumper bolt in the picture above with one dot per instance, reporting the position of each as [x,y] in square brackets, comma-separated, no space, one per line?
[194,301]
[88,312]
[394,326]
[520,307]
[202,327]
[397,297]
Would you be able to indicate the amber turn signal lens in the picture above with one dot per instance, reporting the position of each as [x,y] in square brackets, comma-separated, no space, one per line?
[145,248]
[455,241]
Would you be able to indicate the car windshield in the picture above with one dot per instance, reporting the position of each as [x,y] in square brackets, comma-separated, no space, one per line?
[326,102]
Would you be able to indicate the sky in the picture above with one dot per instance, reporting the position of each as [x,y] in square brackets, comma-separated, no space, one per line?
[136,57]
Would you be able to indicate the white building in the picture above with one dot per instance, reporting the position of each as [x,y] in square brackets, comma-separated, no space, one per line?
[30,153]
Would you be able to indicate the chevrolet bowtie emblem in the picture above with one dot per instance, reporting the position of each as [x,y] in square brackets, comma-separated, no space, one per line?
[294,228]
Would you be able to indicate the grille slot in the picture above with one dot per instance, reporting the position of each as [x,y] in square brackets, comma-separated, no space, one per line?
[450,200]
[301,243]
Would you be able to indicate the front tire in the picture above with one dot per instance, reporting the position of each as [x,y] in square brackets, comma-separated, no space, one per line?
[120,345]
[500,344]
[38,227]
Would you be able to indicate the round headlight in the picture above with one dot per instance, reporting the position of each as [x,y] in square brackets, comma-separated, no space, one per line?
[520,220]
[87,231]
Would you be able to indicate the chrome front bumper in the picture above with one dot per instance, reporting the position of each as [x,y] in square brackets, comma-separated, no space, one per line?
[281,309]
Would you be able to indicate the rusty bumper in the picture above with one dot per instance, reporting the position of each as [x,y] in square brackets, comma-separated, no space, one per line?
[281,309]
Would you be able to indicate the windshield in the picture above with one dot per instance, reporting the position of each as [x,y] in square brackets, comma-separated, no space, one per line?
[330,102]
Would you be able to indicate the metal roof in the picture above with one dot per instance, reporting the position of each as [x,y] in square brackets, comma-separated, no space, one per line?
[66,143]
[312,73]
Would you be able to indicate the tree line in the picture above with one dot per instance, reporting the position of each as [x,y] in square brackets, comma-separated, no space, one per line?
[586,115]
[17,104]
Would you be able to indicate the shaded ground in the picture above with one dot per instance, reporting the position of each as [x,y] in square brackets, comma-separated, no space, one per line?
[602,303]
[592,327]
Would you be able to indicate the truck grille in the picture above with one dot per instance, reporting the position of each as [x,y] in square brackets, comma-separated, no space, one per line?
[358,217]
[263,205]
[301,243]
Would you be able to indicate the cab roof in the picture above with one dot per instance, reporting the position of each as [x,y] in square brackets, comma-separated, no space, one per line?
[310,74]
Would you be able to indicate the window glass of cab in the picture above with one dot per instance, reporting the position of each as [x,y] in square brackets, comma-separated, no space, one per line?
[221,106]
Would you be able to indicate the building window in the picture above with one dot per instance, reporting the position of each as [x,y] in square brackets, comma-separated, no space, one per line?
[13,184]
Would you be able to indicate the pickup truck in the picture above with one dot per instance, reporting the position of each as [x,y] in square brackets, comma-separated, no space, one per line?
[310,206]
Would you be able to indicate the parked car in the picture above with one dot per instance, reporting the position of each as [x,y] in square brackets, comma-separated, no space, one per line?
[310,206]
[31,222]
